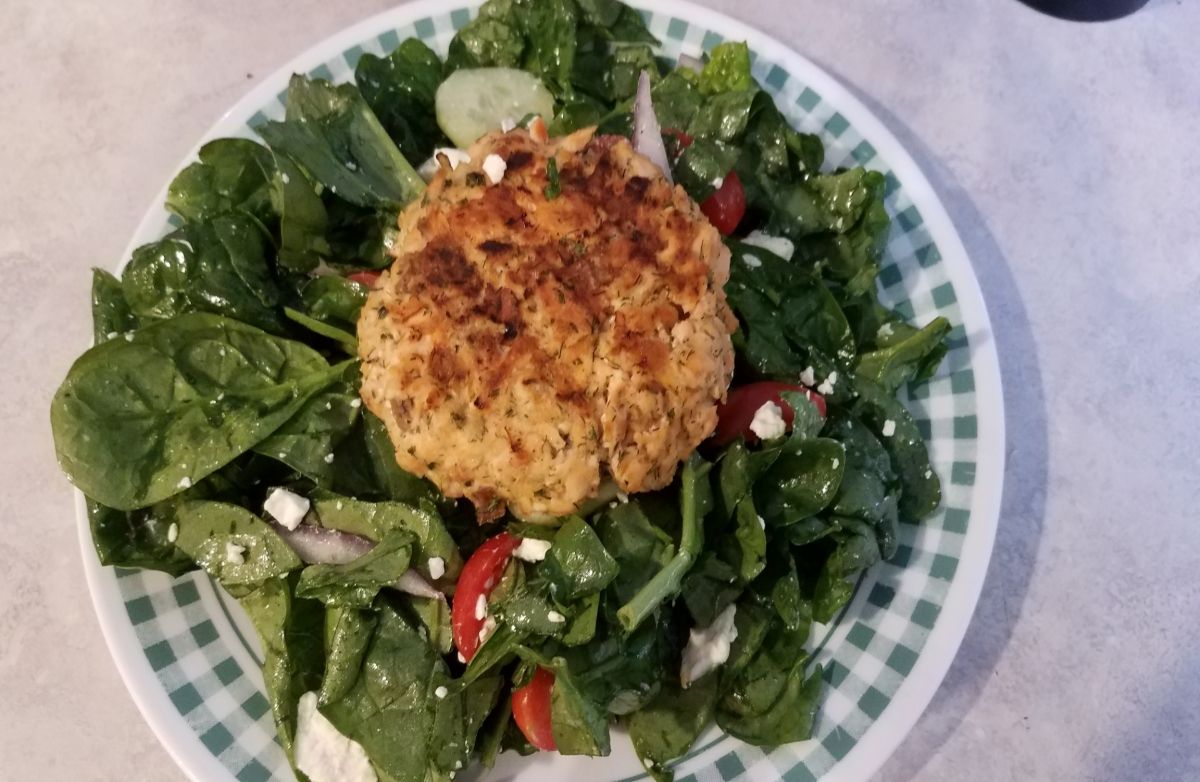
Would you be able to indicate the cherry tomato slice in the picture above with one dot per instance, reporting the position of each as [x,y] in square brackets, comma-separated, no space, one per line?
[734,417]
[367,278]
[725,208]
[531,710]
[478,578]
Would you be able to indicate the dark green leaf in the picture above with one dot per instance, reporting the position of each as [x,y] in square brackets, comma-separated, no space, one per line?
[303,220]
[723,117]
[136,539]
[356,583]
[577,564]
[580,725]
[667,727]
[905,357]
[639,547]
[233,174]
[710,587]
[231,544]
[306,443]
[727,69]
[703,165]
[676,99]
[333,133]
[803,483]
[490,39]
[111,316]
[400,88]
[751,538]
[140,419]
[348,631]
[920,488]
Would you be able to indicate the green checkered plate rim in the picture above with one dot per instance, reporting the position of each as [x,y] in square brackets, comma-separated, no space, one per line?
[188,655]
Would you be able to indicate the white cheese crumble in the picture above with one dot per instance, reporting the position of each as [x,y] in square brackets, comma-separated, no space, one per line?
[531,550]
[826,386]
[480,607]
[286,507]
[889,428]
[763,522]
[356,403]
[836,462]
[808,377]
[412,583]
[437,567]
[329,458]
[323,753]
[928,474]
[751,261]
[173,532]
[494,166]
[235,554]
[184,483]
[286,179]
[461,659]
[485,632]
[556,617]
[708,647]
[507,124]
[440,693]
[884,331]
[768,422]
[776,245]
[716,183]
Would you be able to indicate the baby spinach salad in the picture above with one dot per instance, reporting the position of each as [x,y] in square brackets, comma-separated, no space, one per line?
[216,425]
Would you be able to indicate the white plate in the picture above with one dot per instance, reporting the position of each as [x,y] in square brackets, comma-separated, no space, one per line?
[188,655]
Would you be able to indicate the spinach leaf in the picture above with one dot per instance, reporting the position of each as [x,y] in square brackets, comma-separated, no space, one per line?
[579,724]
[136,539]
[920,487]
[903,358]
[771,701]
[850,203]
[724,117]
[577,565]
[751,537]
[334,300]
[303,221]
[139,419]
[639,548]
[581,621]
[231,544]
[356,583]
[490,39]
[290,630]
[727,69]
[233,174]
[348,631]
[789,319]
[710,587]
[628,62]
[392,709]
[739,469]
[345,340]
[702,165]
[780,584]
[376,520]
[803,483]
[857,549]
[396,483]
[616,21]
[307,441]
[549,30]
[528,613]
[869,490]
[400,88]
[695,500]
[676,99]
[218,266]
[434,614]
[333,133]
[668,726]
[111,315]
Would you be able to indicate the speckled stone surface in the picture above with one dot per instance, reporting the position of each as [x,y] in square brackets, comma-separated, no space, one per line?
[1066,154]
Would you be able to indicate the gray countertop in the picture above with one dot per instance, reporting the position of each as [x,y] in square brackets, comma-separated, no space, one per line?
[1066,154]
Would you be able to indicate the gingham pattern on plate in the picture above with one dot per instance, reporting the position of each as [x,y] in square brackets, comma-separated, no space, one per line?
[200,648]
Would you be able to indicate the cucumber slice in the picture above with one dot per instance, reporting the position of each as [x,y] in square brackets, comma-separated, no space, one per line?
[473,101]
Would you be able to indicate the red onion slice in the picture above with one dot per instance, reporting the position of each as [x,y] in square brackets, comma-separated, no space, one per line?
[691,63]
[647,136]
[322,546]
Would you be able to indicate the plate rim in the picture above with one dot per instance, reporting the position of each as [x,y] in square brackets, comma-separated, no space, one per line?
[880,740]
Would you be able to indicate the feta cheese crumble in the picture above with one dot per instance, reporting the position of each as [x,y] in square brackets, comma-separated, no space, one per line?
[884,331]
[507,124]
[494,166]
[329,458]
[889,428]
[556,617]
[708,647]
[480,607]
[323,753]
[808,377]
[768,422]
[286,507]
[184,483]
[531,550]
[776,245]
[826,386]
[234,554]
[751,261]
[440,692]
[173,532]
[437,567]
[485,632]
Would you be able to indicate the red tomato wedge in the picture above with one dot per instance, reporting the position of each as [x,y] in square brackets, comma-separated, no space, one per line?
[367,278]
[726,207]
[531,710]
[479,577]
[734,417]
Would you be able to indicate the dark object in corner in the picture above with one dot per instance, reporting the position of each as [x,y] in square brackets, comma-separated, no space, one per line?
[1086,10]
